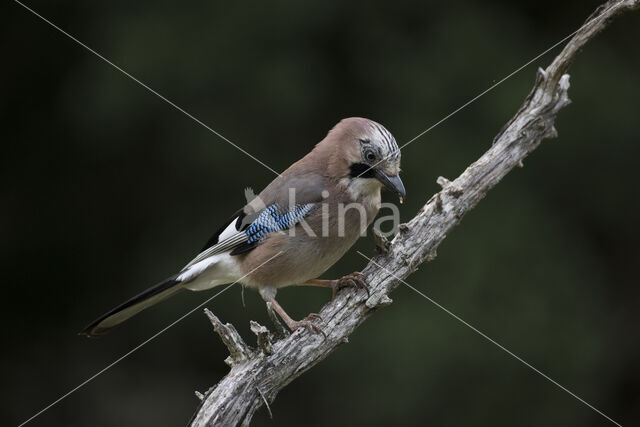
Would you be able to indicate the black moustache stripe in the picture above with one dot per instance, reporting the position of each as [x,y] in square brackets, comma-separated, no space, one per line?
[361,170]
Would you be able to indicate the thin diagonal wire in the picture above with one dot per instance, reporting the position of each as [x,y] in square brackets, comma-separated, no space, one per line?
[489,89]
[174,105]
[484,92]
[139,346]
[494,342]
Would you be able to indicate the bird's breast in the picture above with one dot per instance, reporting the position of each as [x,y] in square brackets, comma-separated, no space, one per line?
[312,246]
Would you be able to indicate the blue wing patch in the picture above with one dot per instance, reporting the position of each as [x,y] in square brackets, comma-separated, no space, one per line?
[274,218]
[270,220]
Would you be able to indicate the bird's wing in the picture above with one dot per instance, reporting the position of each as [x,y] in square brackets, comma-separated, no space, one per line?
[273,210]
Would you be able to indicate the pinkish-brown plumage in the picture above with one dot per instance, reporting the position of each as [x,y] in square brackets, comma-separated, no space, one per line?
[338,183]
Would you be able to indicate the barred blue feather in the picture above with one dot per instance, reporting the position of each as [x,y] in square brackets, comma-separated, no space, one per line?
[274,218]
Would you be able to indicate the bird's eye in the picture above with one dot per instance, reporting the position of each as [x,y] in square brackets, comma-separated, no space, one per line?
[369,155]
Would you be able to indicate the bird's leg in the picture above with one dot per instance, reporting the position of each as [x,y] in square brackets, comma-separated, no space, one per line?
[268,294]
[353,280]
[306,323]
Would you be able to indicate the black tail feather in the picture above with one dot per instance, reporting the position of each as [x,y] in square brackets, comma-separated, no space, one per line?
[133,306]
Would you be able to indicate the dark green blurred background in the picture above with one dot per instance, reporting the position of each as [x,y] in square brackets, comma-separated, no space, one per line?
[106,189]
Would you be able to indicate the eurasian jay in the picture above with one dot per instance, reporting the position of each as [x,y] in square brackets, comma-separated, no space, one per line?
[298,226]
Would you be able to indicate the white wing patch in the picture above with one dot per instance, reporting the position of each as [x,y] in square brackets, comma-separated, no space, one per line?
[228,239]
[214,266]
[228,232]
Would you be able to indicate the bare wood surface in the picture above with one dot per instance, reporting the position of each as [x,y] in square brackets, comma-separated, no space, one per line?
[258,374]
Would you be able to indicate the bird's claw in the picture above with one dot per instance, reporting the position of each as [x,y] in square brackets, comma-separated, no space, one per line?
[314,317]
[308,324]
[353,280]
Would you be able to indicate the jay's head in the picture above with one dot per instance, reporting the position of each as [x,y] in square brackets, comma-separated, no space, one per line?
[363,151]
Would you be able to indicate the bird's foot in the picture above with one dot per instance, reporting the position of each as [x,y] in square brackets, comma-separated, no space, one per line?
[308,324]
[314,317]
[353,280]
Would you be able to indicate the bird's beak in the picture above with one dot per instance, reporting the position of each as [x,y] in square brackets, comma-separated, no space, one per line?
[393,183]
